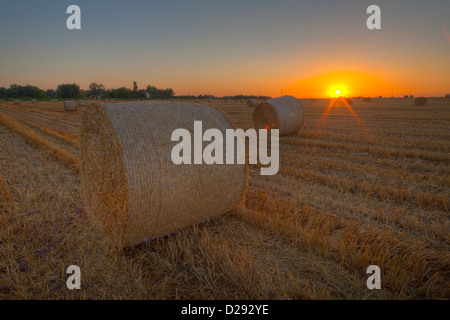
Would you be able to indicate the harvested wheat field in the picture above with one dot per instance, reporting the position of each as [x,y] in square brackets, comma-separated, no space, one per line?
[359,186]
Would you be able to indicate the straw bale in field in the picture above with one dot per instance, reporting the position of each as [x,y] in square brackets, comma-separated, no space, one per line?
[252,103]
[16,101]
[130,184]
[283,113]
[420,101]
[70,105]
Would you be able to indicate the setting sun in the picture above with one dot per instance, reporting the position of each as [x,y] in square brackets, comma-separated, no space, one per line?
[338,89]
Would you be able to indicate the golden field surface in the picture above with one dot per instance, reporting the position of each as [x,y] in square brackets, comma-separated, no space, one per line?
[356,187]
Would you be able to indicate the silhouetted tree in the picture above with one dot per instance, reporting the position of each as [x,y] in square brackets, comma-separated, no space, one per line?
[65,91]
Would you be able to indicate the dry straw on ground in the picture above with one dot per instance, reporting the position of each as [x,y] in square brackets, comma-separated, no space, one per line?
[70,105]
[131,186]
[283,113]
[252,103]
[421,101]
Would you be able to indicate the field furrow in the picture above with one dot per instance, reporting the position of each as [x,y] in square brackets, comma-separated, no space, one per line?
[60,154]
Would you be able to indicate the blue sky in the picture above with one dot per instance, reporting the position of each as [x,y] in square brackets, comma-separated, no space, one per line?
[224,47]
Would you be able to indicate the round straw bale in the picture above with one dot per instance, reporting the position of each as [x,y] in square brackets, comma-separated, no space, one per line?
[70,105]
[131,186]
[283,113]
[420,101]
[252,103]
[16,101]
[33,101]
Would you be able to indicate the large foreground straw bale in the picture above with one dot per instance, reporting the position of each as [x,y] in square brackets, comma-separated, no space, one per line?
[252,103]
[420,101]
[70,105]
[130,184]
[283,113]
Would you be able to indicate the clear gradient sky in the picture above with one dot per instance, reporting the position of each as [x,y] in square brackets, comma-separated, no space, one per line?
[305,48]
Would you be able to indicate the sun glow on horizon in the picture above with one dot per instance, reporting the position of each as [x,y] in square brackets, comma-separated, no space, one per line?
[338,90]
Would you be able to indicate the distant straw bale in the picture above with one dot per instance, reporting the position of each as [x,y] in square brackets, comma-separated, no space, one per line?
[252,103]
[420,101]
[70,105]
[283,113]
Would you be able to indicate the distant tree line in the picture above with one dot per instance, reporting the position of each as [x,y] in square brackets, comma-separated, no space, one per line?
[15,91]
[249,97]
[98,91]
[73,91]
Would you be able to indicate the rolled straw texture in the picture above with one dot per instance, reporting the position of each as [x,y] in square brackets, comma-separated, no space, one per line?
[130,183]
[283,113]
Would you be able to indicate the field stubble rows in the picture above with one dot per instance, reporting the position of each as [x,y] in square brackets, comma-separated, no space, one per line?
[346,196]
